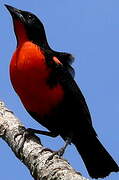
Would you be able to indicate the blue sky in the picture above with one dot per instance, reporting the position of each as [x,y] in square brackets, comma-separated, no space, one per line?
[89,29]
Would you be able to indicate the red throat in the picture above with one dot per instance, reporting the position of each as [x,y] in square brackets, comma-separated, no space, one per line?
[20,32]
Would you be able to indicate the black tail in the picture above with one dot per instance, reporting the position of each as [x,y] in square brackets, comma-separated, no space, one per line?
[97,160]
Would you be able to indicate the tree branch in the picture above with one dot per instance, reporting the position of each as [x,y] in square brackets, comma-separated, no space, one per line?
[32,153]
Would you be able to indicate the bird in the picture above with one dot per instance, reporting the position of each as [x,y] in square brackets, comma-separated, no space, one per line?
[44,81]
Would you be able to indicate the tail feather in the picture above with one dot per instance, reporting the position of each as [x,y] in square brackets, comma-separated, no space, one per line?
[97,160]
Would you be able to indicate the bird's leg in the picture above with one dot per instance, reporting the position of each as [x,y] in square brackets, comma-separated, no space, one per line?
[25,133]
[61,151]
[47,133]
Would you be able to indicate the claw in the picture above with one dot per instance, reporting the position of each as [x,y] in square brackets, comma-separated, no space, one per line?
[21,131]
[24,133]
[61,151]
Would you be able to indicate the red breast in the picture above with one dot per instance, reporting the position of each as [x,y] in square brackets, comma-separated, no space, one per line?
[29,74]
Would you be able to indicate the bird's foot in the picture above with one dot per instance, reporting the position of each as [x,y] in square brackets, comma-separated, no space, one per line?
[24,133]
[61,151]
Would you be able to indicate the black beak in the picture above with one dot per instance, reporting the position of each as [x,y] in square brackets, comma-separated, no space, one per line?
[15,13]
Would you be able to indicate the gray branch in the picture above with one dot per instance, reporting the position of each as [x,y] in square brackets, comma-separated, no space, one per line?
[32,153]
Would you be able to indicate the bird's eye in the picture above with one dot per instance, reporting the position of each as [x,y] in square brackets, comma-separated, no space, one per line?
[29,17]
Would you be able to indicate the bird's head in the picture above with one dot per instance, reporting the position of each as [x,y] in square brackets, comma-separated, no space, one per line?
[27,27]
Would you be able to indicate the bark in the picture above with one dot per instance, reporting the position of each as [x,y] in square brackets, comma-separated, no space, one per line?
[32,153]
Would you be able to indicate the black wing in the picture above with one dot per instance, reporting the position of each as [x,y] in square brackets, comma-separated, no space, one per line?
[75,104]
[75,98]
[66,59]
[72,88]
